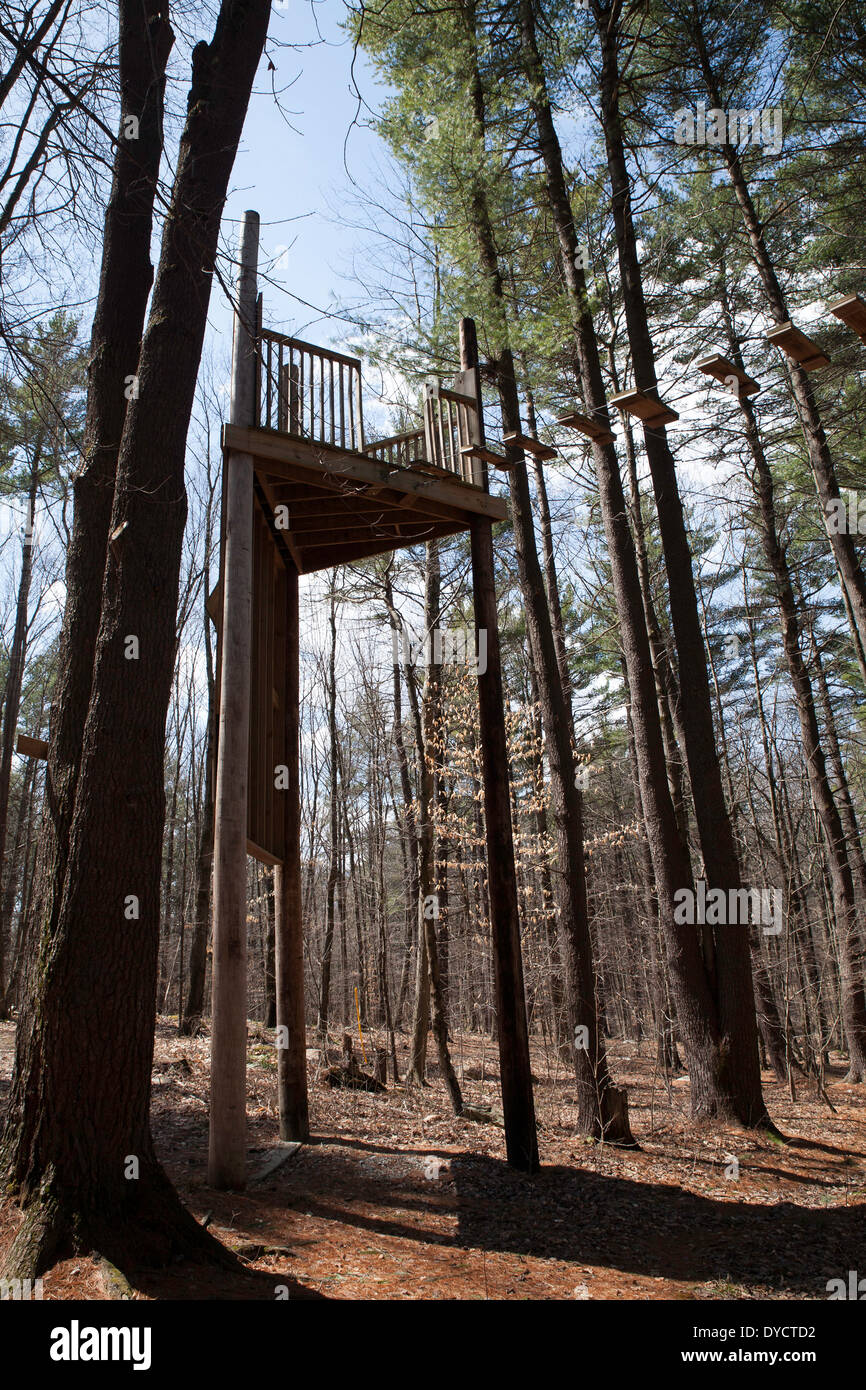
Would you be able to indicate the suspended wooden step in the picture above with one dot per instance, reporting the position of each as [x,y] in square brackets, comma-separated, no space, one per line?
[798,347]
[647,408]
[599,433]
[530,445]
[214,605]
[32,747]
[851,310]
[481,451]
[723,369]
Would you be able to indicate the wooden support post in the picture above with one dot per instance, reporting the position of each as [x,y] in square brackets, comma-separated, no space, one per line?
[228,1121]
[288,924]
[521,1139]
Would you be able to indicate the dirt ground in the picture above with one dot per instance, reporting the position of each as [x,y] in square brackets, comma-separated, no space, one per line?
[395,1199]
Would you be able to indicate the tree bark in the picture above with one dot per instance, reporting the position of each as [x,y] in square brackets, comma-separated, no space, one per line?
[713,1090]
[79,1108]
[734,986]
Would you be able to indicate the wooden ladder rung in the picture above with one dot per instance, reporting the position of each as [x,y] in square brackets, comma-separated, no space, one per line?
[481,451]
[32,747]
[593,429]
[723,369]
[530,444]
[797,346]
[647,408]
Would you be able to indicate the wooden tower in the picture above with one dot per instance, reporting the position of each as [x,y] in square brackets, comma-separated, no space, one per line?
[303,491]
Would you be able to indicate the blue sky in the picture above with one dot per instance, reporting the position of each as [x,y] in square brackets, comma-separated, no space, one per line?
[292,166]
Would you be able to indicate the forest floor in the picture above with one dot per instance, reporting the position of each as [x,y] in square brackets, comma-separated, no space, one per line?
[396,1199]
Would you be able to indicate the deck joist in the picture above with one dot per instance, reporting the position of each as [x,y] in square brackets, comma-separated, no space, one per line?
[345,506]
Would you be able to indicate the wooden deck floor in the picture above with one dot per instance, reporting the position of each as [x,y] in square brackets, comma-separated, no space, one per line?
[344,506]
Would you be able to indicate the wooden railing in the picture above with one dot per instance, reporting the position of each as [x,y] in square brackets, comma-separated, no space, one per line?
[400,450]
[314,394]
[451,424]
[309,392]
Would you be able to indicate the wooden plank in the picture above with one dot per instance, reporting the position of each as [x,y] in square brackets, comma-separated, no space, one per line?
[797,346]
[228,1121]
[407,533]
[458,397]
[279,1154]
[852,311]
[723,369]
[31,747]
[273,449]
[325,557]
[594,430]
[264,856]
[288,903]
[489,456]
[530,445]
[515,1071]
[368,505]
[647,408]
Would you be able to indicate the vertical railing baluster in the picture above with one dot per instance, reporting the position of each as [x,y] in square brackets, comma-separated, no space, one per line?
[282,419]
[268,388]
[312,424]
[360,444]
[294,425]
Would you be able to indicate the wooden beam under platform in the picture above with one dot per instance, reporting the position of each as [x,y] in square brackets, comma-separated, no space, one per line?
[852,311]
[649,409]
[530,445]
[593,429]
[282,455]
[723,370]
[481,451]
[798,347]
[343,506]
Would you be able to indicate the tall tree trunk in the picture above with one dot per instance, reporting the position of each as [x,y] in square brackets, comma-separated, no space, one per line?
[712,1088]
[333,821]
[145,41]
[83,1163]
[734,986]
[821,460]
[841,879]
[428,901]
[14,680]
[425,873]
[14,875]
[194,1007]
[599,1103]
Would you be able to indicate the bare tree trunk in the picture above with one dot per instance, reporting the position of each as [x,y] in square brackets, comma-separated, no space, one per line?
[599,1103]
[12,699]
[333,819]
[841,879]
[847,561]
[712,1090]
[69,1161]
[733,986]
[194,1008]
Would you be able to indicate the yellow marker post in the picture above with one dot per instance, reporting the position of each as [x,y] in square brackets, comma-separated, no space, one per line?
[360,1034]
